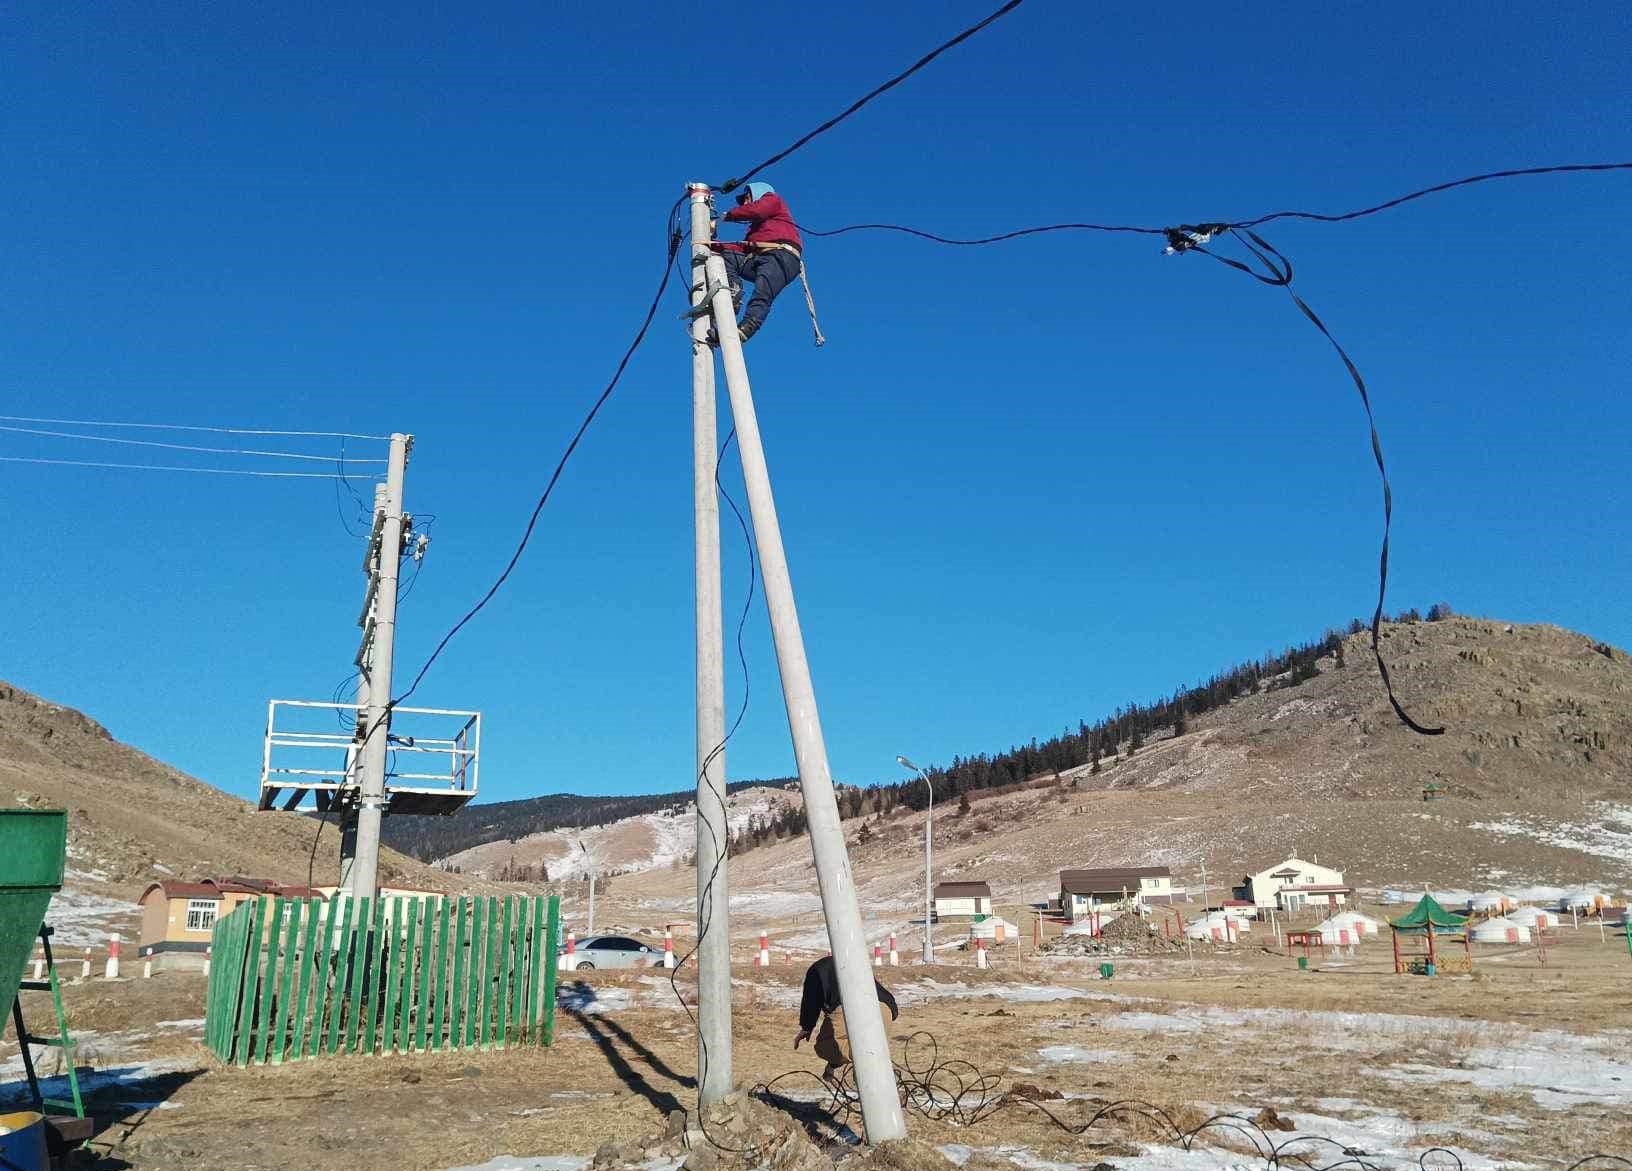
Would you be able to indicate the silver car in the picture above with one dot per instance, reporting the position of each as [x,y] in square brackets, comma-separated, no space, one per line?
[613,951]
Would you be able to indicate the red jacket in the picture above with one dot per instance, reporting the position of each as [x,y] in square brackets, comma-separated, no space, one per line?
[769,222]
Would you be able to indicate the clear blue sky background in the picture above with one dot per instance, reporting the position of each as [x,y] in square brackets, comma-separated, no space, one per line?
[1021,484]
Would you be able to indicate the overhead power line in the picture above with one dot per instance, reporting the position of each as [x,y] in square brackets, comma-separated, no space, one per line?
[1560,169]
[732,184]
[192,427]
[88,463]
[555,476]
[1277,271]
[177,446]
[1154,230]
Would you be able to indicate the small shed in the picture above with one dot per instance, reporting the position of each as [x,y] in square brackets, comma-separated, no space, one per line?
[1499,929]
[1433,923]
[962,900]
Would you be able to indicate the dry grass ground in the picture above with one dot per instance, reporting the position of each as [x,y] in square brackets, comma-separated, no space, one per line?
[1517,1062]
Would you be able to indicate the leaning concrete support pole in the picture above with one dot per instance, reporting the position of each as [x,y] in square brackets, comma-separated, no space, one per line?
[713,904]
[869,1049]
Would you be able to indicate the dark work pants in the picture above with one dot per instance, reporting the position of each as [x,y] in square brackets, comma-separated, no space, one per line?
[769,273]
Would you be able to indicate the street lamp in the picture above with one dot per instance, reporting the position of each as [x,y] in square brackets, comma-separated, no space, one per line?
[589,864]
[929,825]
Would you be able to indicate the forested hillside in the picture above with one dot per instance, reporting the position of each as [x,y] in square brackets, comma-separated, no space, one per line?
[428,838]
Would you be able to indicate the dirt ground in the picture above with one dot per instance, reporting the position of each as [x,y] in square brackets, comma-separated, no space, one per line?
[1523,1061]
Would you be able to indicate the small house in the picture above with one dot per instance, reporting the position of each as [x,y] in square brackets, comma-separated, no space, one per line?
[962,900]
[1127,887]
[1294,885]
[179,917]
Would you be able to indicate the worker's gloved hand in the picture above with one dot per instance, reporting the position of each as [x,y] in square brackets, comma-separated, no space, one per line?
[801,1035]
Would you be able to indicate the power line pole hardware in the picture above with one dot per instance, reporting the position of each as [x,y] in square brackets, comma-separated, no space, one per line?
[385,764]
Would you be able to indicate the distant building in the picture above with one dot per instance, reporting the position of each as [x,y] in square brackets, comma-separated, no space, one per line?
[962,900]
[1082,891]
[1294,885]
[178,917]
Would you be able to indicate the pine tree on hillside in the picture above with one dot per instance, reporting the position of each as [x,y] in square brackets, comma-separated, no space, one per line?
[963,804]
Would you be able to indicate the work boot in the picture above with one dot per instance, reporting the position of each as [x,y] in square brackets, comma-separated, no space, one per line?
[748,328]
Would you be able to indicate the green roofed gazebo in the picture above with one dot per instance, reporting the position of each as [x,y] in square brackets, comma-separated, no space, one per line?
[1431,921]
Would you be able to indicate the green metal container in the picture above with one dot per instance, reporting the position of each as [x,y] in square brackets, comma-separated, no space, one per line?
[1106,971]
[1303,963]
[33,849]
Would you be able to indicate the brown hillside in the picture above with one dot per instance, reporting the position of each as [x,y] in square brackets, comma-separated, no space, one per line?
[133,820]
[1530,712]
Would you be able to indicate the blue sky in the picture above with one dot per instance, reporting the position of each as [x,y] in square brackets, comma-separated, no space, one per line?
[1020,485]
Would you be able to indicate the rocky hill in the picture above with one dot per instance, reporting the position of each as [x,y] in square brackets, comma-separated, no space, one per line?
[1530,713]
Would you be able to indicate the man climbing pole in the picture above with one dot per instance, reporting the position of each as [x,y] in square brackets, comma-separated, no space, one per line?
[769,257]
[821,999]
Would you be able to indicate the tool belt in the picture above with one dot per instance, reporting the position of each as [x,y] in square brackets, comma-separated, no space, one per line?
[775,246]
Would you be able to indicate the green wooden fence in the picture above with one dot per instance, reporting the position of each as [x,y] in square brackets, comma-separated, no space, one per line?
[296,978]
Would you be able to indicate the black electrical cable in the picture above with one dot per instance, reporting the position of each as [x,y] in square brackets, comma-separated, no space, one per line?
[1317,217]
[998,239]
[731,185]
[555,476]
[957,1091]
[1279,274]
[721,849]
[1560,169]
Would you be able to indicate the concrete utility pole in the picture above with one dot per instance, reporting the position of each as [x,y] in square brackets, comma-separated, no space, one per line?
[869,1049]
[929,828]
[348,812]
[371,795]
[713,891]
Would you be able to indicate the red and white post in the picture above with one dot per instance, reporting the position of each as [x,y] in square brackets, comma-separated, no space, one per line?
[668,947]
[566,956]
[980,952]
[111,971]
[764,960]
[895,956]
[39,965]
[206,959]
[147,964]
[85,966]
[878,958]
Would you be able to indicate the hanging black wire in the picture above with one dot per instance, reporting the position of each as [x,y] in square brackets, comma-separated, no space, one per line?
[720,849]
[732,184]
[958,1092]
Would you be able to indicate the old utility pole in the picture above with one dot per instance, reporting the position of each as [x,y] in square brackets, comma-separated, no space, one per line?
[377,728]
[348,808]
[713,903]
[869,1048]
